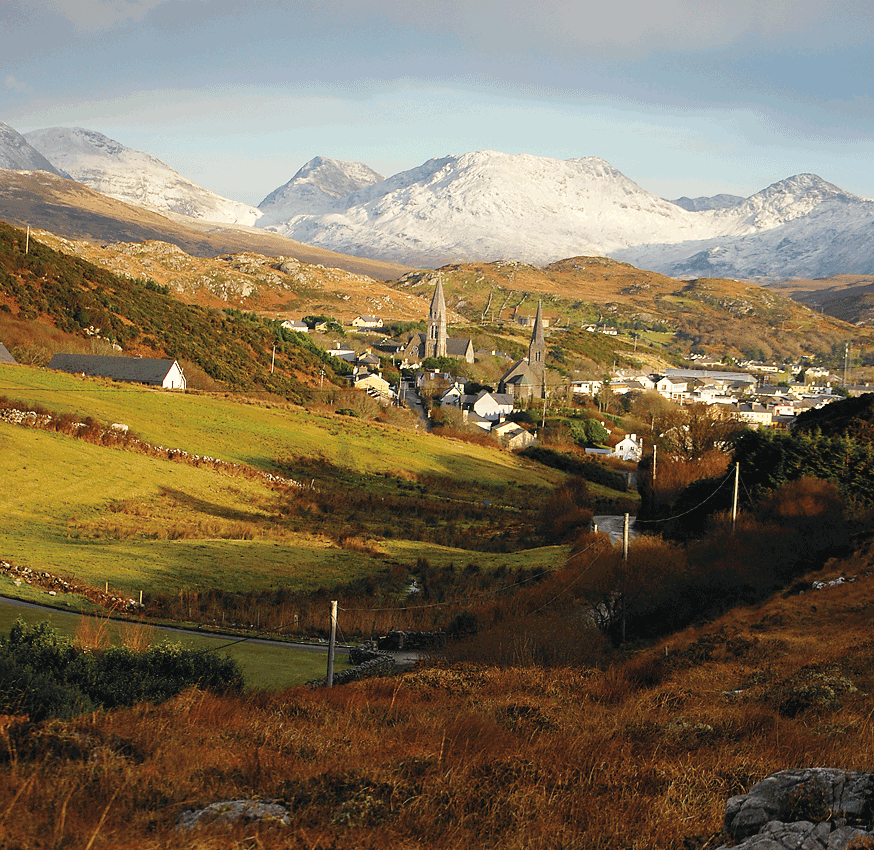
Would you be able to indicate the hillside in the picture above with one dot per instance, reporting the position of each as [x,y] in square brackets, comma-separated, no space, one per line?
[645,751]
[718,317]
[84,301]
[272,286]
[243,499]
[75,212]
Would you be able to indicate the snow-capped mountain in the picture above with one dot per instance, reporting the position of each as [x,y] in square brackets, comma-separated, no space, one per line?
[134,177]
[488,205]
[781,202]
[714,202]
[17,154]
[317,188]
[833,238]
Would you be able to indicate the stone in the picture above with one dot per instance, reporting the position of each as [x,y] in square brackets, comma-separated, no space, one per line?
[805,809]
[233,812]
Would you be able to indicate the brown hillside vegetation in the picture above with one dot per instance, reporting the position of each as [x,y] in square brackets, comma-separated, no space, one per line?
[642,752]
[275,286]
[72,210]
[723,317]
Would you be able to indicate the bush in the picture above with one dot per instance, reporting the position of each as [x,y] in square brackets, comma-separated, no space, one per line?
[46,676]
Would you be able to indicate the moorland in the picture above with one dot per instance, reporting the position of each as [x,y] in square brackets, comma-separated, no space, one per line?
[580,698]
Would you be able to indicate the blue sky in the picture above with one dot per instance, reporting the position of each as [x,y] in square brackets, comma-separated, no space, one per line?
[686,97]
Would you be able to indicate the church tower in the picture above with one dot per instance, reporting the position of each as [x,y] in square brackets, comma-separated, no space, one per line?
[537,354]
[435,343]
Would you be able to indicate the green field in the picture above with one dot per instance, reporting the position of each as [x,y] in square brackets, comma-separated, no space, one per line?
[263,435]
[141,522]
[264,666]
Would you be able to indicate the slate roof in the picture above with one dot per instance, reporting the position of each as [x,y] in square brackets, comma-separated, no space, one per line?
[138,370]
[5,357]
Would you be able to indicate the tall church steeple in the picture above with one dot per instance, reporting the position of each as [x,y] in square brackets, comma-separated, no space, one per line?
[435,343]
[537,352]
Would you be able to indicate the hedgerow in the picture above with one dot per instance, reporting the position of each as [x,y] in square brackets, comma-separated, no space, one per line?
[44,675]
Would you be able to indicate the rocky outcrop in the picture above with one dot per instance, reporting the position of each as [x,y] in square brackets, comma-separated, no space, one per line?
[808,809]
[234,812]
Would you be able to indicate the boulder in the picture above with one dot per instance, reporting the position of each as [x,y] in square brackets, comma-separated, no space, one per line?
[233,812]
[814,808]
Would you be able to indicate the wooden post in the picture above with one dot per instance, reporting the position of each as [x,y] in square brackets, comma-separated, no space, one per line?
[624,570]
[734,500]
[331,643]
[27,241]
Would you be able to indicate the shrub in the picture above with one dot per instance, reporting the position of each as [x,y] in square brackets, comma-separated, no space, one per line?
[47,676]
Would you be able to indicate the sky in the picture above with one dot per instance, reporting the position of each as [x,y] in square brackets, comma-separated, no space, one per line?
[685,97]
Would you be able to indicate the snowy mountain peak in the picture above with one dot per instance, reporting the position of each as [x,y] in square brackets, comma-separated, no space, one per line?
[489,205]
[317,187]
[109,167]
[17,154]
[714,202]
[781,202]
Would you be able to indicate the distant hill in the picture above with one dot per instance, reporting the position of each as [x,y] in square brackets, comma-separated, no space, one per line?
[318,187]
[140,316]
[73,211]
[719,317]
[134,177]
[849,417]
[17,154]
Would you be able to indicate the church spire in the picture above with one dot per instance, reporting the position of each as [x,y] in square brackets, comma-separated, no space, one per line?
[537,351]
[435,344]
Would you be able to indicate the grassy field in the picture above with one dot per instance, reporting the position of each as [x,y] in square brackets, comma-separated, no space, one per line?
[143,522]
[264,667]
[263,435]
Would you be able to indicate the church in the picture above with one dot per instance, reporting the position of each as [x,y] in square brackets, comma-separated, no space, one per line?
[526,379]
[436,343]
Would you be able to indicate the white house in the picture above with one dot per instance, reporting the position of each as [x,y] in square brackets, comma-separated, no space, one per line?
[489,406]
[293,325]
[755,414]
[166,374]
[453,395]
[630,448]
[671,388]
[587,388]
[513,436]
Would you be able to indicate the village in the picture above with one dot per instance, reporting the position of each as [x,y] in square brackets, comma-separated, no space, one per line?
[510,408]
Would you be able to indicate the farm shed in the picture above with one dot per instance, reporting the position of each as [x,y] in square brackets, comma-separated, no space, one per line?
[135,370]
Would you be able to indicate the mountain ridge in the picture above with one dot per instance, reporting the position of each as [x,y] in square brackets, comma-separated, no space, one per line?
[132,176]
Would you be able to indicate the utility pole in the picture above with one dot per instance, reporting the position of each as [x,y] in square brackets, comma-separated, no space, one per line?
[655,450]
[273,359]
[331,642]
[624,570]
[734,500]
[27,240]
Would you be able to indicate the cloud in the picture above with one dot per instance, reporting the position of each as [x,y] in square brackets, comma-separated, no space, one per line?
[95,15]
[13,84]
[599,27]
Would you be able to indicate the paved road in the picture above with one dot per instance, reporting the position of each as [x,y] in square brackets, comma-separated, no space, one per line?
[402,659]
[612,525]
[413,402]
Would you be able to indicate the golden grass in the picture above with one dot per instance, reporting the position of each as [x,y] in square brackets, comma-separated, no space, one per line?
[641,753]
